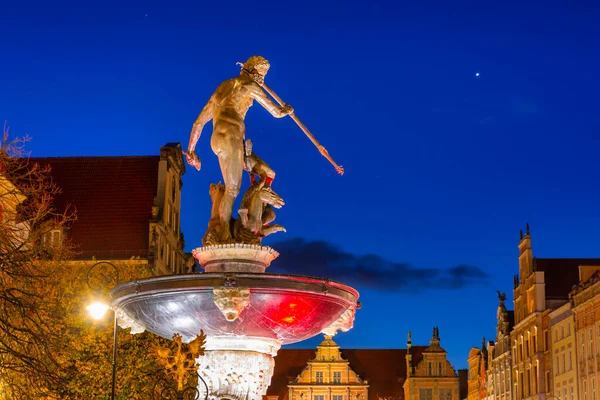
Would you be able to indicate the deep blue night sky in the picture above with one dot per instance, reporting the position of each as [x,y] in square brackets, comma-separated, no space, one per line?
[443,167]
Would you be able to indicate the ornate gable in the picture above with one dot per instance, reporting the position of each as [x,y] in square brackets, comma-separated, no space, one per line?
[328,376]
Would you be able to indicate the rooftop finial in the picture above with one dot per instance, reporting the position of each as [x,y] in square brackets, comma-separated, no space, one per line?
[527,229]
[521,234]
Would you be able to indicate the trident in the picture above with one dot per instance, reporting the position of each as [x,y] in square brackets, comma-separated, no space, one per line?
[322,150]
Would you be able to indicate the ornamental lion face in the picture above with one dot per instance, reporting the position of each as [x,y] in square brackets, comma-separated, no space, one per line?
[231,301]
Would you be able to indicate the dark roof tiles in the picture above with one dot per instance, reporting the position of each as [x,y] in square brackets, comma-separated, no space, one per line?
[561,274]
[113,197]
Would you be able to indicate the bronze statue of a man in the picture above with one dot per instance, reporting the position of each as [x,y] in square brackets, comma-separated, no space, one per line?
[227,108]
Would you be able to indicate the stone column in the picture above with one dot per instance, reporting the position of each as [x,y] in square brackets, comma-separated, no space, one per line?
[237,368]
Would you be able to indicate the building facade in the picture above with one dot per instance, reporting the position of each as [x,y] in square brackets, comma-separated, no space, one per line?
[328,376]
[433,377]
[364,374]
[564,370]
[478,373]
[553,348]
[585,299]
[530,311]
[500,354]
[127,208]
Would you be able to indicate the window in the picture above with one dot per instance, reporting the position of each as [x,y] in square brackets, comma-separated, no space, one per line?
[445,393]
[319,378]
[429,371]
[593,387]
[564,363]
[173,189]
[572,392]
[440,369]
[318,397]
[522,382]
[562,332]
[175,221]
[337,378]
[535,379]
[556,372]
[548,382]
[521,348]
[338,397]
[591,348]
[568,329]
[425,394]
[53,239]
[546,341]
[570,360]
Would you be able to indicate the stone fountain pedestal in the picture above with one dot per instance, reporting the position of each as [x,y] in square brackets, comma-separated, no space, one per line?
[246,314]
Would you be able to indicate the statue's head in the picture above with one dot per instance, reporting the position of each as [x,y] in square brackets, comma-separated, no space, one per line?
[257,65]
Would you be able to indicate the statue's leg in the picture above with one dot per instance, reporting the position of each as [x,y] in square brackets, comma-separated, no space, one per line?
[262,169]
[231,162]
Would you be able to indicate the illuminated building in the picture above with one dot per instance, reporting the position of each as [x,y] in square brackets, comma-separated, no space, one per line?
[128,208]
[433,377]
[543,285]
[478,373]
[540,349]
[585,299]
[364,374]
[564,365]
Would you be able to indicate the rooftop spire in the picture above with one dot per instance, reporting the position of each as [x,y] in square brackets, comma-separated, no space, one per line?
[435,337]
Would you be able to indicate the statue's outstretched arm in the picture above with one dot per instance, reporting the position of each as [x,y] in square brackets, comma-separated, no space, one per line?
[264,100]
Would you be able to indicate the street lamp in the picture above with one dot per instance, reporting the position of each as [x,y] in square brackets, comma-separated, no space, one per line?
[99,277]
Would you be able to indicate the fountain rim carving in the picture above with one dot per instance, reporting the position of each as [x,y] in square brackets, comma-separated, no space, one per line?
[169,284]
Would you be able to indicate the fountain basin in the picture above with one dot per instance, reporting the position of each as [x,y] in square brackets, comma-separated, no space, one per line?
[281,309]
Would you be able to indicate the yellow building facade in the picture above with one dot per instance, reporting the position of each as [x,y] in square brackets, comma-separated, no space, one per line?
[500,355]
[585,298]
[553,349]
[478,367]
[564,363]
[328,377]
[433,378]
[528,363]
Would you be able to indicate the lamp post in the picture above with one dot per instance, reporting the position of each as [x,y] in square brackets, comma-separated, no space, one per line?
[99,277]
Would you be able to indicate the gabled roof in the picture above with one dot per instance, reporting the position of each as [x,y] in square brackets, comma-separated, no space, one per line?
[561,274]
[385,369]
[113,197]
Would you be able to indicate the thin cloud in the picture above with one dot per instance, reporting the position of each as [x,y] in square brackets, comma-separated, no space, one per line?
[323,259]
